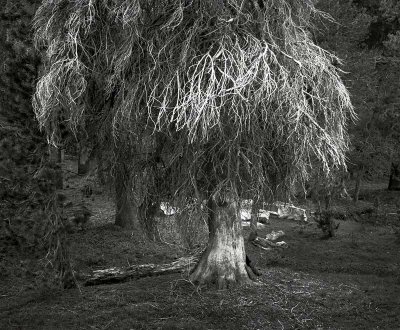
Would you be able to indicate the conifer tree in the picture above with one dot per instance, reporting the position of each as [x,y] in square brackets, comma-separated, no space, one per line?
[245,101]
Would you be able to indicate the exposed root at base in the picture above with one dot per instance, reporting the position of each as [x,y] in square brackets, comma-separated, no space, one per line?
[251,269]
[251,274]
[224,278]
[222,282]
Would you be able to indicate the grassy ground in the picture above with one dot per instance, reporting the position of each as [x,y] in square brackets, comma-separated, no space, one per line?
[349,282]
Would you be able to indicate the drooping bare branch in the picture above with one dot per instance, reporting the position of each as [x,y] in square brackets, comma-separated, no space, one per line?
[247,95]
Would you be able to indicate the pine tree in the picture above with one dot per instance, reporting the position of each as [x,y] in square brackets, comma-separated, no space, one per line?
[245,100]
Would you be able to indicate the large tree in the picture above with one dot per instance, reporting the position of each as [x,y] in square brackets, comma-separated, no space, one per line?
[244,99]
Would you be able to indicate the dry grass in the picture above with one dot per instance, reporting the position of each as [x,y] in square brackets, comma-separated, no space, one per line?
[348,282]
[290,295]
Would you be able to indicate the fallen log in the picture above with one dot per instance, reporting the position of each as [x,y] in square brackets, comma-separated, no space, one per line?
[122,274]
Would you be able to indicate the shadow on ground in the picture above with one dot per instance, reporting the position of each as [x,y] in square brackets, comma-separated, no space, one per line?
[347,282]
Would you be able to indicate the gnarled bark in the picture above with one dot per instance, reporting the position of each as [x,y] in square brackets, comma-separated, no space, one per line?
[224,260]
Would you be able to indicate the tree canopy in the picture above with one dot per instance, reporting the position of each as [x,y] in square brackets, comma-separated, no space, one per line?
[244,94]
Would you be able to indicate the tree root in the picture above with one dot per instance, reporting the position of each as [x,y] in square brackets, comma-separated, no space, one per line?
[251,269]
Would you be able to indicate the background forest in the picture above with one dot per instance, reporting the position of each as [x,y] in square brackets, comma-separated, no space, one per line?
[367,39]
[38,254]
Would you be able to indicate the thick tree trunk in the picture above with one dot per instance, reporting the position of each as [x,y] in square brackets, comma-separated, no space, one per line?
[147,212]
[153,179]
[83,159]
[224,260]
[55,157]
[394,180]
[126,215]
[100,170]
[253,221]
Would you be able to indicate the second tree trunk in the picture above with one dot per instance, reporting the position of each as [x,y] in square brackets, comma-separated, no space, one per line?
[126,211]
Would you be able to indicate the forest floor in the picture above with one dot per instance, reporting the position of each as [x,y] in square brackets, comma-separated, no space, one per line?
[351,281]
